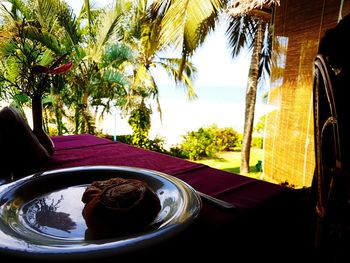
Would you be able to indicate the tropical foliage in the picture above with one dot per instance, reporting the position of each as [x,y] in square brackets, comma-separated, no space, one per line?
[113,51]
[206,142]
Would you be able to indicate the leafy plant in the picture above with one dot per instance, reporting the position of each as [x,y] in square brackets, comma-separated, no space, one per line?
[260,125]
[206,142]
[257,142]
[157,144]
[140,122]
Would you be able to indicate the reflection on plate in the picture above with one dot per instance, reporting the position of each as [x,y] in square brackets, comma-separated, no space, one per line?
[41,214]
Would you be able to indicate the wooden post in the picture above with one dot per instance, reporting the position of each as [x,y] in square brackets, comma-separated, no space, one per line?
[37,113]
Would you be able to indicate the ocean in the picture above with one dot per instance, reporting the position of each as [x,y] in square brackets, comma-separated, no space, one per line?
[223,106]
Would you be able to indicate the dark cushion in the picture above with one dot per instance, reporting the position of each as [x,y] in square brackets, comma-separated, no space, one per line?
[21,152]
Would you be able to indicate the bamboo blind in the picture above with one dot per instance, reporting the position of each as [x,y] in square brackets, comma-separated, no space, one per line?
[289,143]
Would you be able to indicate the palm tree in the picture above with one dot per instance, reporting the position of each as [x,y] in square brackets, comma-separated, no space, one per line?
[250,28]
[99,78]
[187,23]
[121,49]
[96,73]
[250,32]
[141,30]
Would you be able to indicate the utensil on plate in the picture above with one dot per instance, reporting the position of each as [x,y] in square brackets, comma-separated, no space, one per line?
[215,201]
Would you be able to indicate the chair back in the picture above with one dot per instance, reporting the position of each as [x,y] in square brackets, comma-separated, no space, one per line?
[330,180]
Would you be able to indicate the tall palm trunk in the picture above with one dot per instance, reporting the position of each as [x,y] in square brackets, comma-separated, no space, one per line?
[85,100]
[88,125]
[251,98]
[58,109]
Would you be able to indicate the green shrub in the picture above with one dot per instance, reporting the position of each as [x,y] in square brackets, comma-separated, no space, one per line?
[206,142]
[196,144]
[257,142]
[258,166]
[227,139]
[157,144]
[125,138]
[178,152]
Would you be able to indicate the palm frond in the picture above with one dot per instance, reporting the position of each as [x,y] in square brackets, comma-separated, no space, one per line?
[79,53]
[6,15]
[87,9]
[7,47]
[115,77]
[105,32]
[266,55]
[151,37]
[184,19]
[46,58]
[45,38]
[126,25]
[116,54]
[207,26]
[67,20]
[240,33]
[141,79]
[109,28]
[47,13]
[172,67]
[13,70]
[19,10]
[20,99]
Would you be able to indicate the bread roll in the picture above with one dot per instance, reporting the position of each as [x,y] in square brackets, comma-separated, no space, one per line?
[119,206]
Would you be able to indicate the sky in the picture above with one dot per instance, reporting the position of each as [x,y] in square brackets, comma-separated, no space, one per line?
[220,86]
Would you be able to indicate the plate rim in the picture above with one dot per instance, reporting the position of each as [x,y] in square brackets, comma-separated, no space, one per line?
[113,247]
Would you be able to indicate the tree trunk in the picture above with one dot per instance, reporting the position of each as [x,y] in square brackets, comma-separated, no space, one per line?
[88,122]
[251,99]
[37,113]
[57,107]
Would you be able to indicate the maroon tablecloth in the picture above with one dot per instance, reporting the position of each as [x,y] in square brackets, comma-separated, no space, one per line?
[262,225]
[84,150]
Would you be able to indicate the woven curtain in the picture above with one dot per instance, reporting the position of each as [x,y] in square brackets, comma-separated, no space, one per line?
[289,137]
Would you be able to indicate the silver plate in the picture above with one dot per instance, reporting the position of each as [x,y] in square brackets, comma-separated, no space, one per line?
[40,215]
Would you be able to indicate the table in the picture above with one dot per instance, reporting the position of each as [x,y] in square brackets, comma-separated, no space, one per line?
[266,222]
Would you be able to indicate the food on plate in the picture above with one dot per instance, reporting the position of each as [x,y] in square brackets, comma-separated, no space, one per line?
[119,206]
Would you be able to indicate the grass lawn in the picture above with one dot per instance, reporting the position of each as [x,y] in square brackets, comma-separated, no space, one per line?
[230,162]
